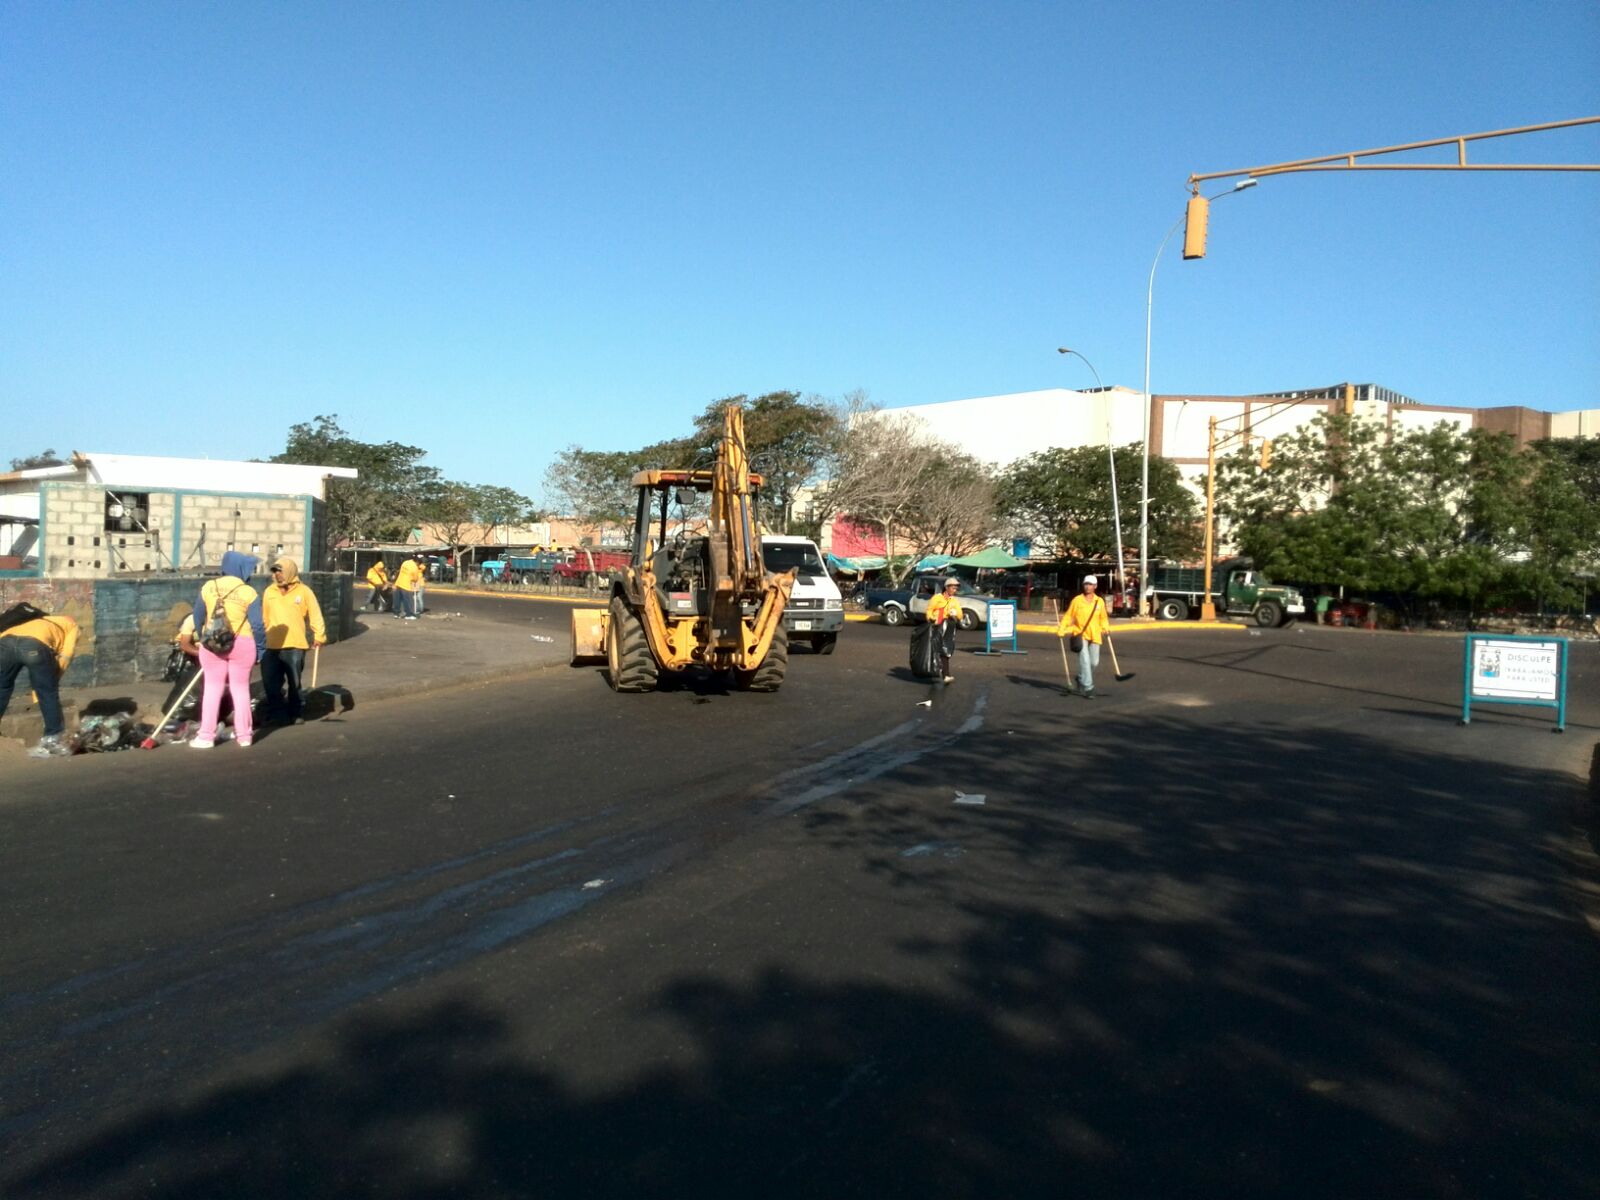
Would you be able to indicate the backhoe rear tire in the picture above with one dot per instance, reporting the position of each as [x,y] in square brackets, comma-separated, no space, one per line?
[630,666]
[768,677]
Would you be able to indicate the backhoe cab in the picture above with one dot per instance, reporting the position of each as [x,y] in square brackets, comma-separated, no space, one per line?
[693,600]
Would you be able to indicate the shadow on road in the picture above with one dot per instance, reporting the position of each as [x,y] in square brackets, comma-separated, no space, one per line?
[1170,961]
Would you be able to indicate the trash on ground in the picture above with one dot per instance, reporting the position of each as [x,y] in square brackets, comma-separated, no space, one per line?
[539,637]
[100,734]
[924,704]
[926,849]
[595,883]
[963,798]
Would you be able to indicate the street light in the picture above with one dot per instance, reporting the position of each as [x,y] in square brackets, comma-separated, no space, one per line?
[1144,482]
[1111,454]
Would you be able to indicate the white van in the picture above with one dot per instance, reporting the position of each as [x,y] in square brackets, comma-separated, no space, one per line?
[815,612]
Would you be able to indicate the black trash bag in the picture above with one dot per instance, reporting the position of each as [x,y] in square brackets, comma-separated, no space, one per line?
[925,651]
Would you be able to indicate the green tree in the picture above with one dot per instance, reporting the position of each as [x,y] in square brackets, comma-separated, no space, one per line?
[1063,496]
[390,491]
[32,462]
[787,438]
[594,486]
[1433,514]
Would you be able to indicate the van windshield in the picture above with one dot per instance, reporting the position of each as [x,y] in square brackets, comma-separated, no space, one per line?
[780,556]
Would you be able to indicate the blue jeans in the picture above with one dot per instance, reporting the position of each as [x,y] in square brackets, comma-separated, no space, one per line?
[43,676]
[1088,660]
[281,668]
[404,602]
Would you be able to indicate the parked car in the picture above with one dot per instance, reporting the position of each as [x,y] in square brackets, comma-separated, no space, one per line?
[909,602]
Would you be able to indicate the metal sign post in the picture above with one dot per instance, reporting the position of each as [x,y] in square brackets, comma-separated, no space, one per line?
[1513,669]
[1001,627]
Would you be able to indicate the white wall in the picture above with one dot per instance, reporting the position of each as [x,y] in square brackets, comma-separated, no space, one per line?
[1001,429]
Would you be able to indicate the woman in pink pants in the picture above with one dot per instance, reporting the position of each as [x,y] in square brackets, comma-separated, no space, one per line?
[241,608]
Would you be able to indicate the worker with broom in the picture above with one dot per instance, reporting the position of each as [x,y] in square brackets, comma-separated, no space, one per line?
[293,618]
[1087,624]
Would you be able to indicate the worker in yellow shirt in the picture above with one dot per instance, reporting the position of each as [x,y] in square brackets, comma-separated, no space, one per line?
[406,581]
[944,614]
[1087,623]
[44,645]
[293,618]
[382,598]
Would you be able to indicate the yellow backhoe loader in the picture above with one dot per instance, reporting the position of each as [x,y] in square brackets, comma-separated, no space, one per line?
[693,601]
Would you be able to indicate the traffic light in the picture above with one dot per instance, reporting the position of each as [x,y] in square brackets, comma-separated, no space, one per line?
[1266,453]
[1195,217]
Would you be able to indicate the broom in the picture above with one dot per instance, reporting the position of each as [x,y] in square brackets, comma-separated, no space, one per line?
[1062,642]
[1120,677]
[150,742]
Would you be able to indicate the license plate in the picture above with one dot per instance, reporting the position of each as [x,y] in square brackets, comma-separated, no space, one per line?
[802,625]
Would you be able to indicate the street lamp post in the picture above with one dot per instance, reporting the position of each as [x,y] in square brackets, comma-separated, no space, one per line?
[1111,454]
[1144,482]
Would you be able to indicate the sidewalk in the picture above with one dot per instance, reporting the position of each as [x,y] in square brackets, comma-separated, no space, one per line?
[386,658]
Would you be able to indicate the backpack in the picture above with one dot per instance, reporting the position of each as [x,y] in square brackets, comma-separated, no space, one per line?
[19,614]
[217,636]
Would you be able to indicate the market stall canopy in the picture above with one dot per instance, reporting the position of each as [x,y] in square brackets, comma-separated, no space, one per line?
[933,562]
[855,566]
[992,559]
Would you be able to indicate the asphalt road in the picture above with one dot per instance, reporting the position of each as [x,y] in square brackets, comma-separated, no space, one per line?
[1263,921]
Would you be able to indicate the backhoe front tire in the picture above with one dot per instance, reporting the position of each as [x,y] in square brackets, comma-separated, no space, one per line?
[630,666]
[768,677]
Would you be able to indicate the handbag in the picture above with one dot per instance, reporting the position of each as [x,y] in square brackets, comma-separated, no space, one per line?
[1075,643]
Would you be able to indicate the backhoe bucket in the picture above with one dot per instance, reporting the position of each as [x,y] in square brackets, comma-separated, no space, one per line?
[589,635]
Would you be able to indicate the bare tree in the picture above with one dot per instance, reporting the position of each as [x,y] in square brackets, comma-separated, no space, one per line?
[925,494]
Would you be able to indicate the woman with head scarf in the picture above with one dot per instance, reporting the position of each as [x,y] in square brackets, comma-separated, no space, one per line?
[294,625]
[230,596]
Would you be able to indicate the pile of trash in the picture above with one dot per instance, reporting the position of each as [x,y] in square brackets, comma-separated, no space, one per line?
[105,733]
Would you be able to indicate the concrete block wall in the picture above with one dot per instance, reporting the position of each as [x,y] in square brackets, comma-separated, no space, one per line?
[265,526]
[126,626]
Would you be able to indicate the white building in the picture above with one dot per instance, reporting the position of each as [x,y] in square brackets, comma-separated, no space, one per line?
[102,514]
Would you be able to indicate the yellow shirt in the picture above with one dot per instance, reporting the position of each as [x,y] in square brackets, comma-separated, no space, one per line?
[58,633]
[407,576]
[378,575]
[1085,615]
[942,606]
[286,613]
[237,597]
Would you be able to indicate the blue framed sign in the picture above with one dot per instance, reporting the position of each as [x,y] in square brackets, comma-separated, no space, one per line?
[1515,669]
[1001,627]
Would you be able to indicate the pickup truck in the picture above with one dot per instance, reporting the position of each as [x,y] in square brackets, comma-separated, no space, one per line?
[910,601]
[1237,589]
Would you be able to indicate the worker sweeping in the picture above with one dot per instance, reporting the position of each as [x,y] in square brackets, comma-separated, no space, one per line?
[44,645]
[407,581]
[1086,623]
[382,598]
[293,618]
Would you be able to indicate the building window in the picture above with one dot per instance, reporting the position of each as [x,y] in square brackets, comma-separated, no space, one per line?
[129,510]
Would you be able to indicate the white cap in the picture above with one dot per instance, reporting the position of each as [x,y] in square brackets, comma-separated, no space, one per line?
[1091,579]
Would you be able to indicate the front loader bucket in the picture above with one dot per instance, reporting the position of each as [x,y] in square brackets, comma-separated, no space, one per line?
[589,635]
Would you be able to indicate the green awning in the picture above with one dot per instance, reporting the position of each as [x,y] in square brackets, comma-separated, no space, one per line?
[992,559]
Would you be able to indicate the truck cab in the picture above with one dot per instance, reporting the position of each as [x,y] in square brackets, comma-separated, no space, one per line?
[815,612]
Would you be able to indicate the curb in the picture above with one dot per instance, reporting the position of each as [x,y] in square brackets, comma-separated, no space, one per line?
[1130,627]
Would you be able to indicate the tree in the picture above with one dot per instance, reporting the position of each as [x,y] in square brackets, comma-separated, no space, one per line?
[787,438]
[595,485]
[34,462]
[1063,496]
[1432,514]
[888,470]
[451,508]
[385,499]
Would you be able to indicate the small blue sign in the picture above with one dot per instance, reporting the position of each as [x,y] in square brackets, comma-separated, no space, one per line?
[1515,669]
[1001,627]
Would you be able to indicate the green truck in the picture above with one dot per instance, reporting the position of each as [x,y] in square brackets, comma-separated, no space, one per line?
[1237,589]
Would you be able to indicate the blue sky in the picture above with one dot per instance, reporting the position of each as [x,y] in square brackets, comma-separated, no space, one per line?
[494,230]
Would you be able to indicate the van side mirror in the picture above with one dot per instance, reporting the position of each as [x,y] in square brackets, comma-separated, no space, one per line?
[684,497]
